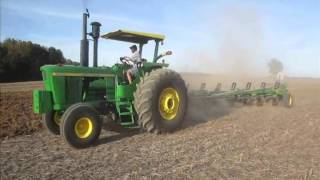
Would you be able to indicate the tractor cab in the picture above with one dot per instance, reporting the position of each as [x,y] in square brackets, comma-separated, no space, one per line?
[139,38]
[125,90]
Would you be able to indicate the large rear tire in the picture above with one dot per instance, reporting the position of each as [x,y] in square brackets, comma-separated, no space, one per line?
[51,121]
[80,125]
[161,101]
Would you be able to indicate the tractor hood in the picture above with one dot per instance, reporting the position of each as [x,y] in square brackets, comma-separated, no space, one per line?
[77,71]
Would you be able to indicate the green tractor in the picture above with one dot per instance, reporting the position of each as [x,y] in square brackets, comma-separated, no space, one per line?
[77,100]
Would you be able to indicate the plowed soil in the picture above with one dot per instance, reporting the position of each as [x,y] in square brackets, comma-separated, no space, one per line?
[17,117]
[217,142]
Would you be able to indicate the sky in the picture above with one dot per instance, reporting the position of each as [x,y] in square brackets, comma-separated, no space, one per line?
[211,36]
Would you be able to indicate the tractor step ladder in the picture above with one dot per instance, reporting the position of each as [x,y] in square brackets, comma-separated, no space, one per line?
[125,109]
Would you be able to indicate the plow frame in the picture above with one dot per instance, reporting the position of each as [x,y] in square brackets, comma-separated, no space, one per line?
[279,92]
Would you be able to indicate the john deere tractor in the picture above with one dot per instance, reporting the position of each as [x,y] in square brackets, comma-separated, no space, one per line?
[76,100]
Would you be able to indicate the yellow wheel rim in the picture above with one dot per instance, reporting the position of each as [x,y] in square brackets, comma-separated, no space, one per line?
[169,102]
[56,118]
[290,100]
[83,127]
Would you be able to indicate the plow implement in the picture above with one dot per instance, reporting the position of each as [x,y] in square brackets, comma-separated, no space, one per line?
[277,94]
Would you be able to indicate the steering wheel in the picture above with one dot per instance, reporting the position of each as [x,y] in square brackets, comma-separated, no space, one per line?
[123,60]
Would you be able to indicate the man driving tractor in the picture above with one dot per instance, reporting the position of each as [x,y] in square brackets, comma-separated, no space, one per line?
[134,60]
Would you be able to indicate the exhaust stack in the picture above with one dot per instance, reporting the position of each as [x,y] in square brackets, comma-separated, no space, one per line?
[84,47]
[95,35]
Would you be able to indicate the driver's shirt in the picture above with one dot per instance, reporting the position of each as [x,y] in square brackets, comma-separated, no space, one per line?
[135,57]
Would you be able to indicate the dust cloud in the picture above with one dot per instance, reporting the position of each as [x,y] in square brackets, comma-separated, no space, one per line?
[234,44]
[202,110]
[240,41]
[235,56]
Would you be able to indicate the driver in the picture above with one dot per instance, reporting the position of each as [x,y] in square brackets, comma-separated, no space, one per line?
[134,59]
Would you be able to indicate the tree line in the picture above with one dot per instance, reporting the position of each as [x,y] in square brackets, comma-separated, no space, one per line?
[21,60]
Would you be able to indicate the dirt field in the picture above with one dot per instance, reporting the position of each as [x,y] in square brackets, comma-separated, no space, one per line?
[17,117]
[227,143]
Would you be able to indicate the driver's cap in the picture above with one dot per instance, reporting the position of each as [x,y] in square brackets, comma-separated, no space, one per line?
[133,47]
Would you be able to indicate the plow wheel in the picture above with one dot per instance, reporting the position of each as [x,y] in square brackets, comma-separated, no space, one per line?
[288,100]
[244,101]
[275,101]
[161,101]
[260,101]
[51,121]
[250,101]
[80,125]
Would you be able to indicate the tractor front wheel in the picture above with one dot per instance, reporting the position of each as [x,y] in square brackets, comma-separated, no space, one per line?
[80,125]
[161,101]
[51,121]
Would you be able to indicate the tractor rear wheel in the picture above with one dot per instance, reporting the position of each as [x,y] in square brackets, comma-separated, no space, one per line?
[161,101]
[51,121]
[80,125]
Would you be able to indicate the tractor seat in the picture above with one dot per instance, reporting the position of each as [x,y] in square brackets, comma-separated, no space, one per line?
[140,64]
[143,60]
